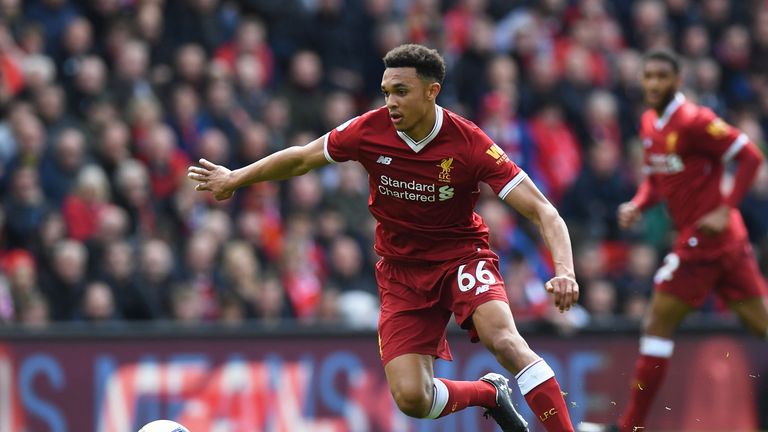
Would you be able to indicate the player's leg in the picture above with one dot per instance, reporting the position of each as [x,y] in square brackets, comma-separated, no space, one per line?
[419,394]
[496,328]
[754,313]
[411,338]
[664,316]
[745,290]
[410,379]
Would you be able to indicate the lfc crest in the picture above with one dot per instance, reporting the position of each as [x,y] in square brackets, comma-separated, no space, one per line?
[445,175]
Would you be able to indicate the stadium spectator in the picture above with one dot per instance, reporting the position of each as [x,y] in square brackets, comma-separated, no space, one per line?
[83,207]
[273,306]
[155,276]
[51,104]
[559,155]
[200,278]
[89,86]
[214,145]
[187,118]
[111,148]
[111,226]
[512,133]
[590,202]
[98,305]
[61,166]
[120,274]
[347,270]
[600,301]
[166,163]
[29,137]
[76,43]
[134,194]
[187,305]
[249,41]
[25,208]
[33,310]
[241,272]
[64,282]
[222,108]
[37,71]
[304,92]
[20,281]
[251,92]
[254,144]
[635,282]
[474,62]
[302,266]
[350,198]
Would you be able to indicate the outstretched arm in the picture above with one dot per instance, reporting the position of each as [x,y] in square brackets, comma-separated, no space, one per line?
[290,162]
[531,203]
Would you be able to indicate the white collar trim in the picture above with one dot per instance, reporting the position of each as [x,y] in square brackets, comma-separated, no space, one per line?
[674,104]
[418,146]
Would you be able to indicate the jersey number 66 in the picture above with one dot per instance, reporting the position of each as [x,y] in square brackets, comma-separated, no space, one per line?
[467,281]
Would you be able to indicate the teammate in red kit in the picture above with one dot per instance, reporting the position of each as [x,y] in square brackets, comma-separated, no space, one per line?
[686,149]
[424,165]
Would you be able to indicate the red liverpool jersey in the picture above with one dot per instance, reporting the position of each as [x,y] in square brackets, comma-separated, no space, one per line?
[686,150]
[423,194]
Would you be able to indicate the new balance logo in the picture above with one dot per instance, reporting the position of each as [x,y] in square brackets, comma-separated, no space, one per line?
[384,160]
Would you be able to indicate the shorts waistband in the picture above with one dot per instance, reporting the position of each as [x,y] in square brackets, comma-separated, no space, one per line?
[411,263]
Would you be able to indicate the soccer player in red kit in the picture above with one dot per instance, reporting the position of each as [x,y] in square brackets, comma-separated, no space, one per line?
[686,148]
[424,164]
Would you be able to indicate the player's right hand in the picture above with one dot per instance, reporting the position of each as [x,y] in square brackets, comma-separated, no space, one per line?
[628,215]
[213,178]
[565,291]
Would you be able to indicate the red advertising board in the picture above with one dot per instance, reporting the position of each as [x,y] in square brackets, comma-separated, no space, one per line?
[318,383]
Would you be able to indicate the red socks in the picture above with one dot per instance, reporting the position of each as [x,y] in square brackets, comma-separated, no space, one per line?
[536,381]
[542,392]
[650,369]
[462,394]
[649,374]
[546,401]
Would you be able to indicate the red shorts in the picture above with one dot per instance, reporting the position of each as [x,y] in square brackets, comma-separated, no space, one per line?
[732,276]
[417,302]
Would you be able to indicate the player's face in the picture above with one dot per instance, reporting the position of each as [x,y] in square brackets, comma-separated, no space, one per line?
[660,82]
[410,100]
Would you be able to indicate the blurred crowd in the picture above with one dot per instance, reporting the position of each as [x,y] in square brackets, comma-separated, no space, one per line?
[106,102]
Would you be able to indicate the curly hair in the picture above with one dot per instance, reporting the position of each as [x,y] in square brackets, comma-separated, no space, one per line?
[428,62]
[664,55]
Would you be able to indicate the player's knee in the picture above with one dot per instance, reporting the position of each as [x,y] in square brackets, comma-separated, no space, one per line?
[654,326]
[413,399]
[509,348]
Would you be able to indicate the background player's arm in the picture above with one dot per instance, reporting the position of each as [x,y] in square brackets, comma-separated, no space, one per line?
[629,212]
[724,143]
[290,162]
[531,203]
[748,161]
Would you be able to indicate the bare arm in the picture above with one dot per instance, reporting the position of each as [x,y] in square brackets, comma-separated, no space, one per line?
[287,163]
[531,203]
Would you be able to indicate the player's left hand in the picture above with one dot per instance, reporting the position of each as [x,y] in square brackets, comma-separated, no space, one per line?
[715,221]
[565,290]
[213,178]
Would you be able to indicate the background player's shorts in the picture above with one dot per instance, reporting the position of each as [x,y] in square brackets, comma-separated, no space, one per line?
[733,276]
[417,302]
